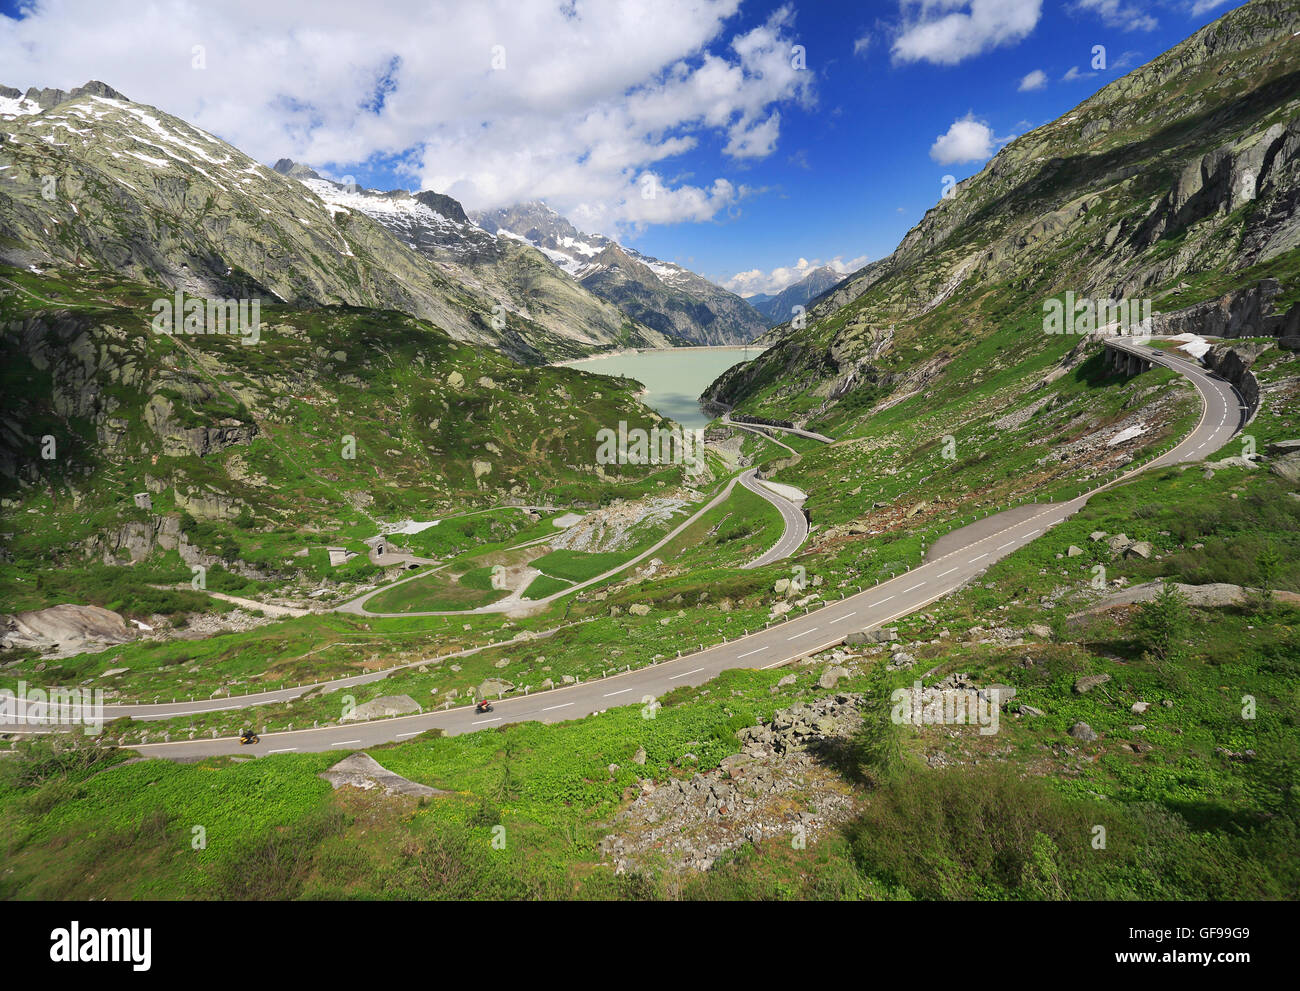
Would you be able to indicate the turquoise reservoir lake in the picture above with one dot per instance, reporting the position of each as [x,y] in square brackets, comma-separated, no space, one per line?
[673,378]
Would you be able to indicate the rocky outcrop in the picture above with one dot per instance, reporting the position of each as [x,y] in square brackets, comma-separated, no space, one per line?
[1284,459]
[364,772]
[1214,595]
[1233,363]
[178,441]
[68,629]
[385,705]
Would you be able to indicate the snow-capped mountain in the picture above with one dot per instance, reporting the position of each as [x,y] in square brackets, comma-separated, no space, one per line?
[660,294]
[513,273]
[91,180]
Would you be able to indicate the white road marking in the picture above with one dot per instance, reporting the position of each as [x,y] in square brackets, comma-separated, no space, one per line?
[845,616]
[621,691]
[759,651]
[283,750]
[912,589]
[1007,544]
[685,673]
[974,559]
[403,735]
[803,634]
[480,722]
[880,603]
[948,572]
[344,743]
[562,705]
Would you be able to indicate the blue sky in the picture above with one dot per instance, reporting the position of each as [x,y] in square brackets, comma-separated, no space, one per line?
[762,163]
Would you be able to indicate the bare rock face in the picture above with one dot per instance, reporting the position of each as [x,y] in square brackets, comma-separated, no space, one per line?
[363,771]
[68,628]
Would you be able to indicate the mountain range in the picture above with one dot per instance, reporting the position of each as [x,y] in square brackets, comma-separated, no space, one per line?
[778,307]
[662,295]
[128,189]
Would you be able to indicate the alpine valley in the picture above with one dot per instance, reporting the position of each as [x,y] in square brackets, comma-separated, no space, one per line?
[949,588]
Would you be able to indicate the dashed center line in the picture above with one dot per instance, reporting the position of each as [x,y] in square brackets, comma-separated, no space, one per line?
[283,750]
[880,603]
[562,705]
[948,572]
[621,691]
[803,634]
[480,722]
[751,653]
[685,673]
[912,589]
[845,616]
[402,736]
[974,559]
[344,743]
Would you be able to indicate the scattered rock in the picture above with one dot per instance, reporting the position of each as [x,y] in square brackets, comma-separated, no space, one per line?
[831,676]
[1085,684]
[1083,732]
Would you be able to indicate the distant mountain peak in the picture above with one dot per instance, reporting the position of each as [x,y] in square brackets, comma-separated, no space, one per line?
[660,294]
[47,98]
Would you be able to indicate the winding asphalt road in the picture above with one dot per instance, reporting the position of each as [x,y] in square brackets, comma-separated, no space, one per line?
[796,525]
[954,560]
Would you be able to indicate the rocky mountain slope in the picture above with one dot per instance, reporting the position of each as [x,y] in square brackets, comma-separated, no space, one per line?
[1176,183]
[671,299]
[123,446]
[502,268]
[91,181]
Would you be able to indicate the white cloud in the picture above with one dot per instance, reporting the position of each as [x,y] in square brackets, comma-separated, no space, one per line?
[862,44]
[591,96]
[1205,6]
[967,140]
[1074,73]
[1117,14]
[948,31]
[1034,80]
[758,281]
